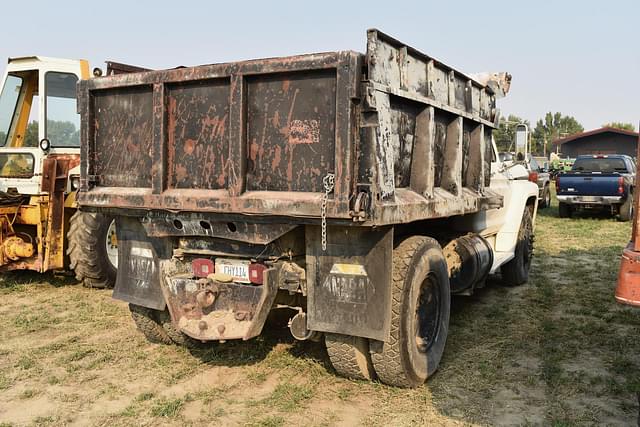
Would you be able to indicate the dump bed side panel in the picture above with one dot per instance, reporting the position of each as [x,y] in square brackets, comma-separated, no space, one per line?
[429,128]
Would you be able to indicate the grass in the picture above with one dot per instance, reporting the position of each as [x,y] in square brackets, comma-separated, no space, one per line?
[167,408]
[557,351]
[288,396]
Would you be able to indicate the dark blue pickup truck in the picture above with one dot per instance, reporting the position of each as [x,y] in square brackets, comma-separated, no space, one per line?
[598,182]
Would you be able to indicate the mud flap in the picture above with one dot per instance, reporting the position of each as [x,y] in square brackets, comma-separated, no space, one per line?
[138,280]
[349,284]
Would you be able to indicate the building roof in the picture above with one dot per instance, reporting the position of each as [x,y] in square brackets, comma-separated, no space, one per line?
[594,132]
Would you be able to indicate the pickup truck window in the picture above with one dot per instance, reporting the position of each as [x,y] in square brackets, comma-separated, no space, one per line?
[605,165]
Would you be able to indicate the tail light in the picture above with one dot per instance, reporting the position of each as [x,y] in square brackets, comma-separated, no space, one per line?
[621,185]
[255,273]
[533,177]
[202,267]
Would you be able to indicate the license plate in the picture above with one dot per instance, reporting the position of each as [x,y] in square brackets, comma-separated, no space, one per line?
[236,268]
[589,199]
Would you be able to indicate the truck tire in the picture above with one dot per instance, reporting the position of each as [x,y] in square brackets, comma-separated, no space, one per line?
[90,239]
[516,271]
[626,209]
[564,210]
[545,202]
[420,306]
[350,356]
[148,322]
[157,327]
[176,336]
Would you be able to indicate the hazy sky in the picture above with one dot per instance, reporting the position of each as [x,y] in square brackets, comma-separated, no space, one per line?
[577,57]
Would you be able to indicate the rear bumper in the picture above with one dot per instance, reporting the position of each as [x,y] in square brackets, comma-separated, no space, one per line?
[591,200]
[209,310]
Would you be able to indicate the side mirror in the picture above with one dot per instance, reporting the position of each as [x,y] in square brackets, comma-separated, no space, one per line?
[45,145]
[522,140]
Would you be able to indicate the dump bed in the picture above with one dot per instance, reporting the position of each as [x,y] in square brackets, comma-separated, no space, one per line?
[403,137]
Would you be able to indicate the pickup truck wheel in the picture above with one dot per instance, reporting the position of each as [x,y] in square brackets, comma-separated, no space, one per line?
[516,271]
[545,202]
[564,210]
[626,209]
[420,306]
[350,356]
[91,245]
[148,322]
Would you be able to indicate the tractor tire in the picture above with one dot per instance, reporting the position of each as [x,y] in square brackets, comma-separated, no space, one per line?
[516,271]
[420,307]
[564,210]
[88,249]
[148,322]
[626,209]
[545,202]
[350,356]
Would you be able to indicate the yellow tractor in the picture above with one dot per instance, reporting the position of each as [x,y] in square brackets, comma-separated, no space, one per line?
[40,226]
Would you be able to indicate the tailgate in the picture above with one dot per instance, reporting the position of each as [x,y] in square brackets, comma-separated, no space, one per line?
[589,184]
[253,137]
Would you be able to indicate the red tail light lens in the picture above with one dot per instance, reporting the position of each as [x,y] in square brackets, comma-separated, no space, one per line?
[255,273]
[533,177]
[202,267]
[620,185]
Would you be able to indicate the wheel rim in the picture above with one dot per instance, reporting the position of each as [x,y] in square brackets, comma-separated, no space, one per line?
[111,244]
[427,315]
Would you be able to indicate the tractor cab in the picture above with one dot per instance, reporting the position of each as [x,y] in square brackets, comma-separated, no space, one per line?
[38,120]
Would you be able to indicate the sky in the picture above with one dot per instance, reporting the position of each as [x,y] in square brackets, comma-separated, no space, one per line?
[581,58]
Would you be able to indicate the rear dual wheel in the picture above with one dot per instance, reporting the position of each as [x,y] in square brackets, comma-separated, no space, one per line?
[158,328]
[420,306]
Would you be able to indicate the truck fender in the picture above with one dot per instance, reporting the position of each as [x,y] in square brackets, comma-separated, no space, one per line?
[524,196]
[138,279]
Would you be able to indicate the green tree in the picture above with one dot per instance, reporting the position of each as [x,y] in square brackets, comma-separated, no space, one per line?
[553,126]
[62,134]
[31,135]
[505,133]
[620,125]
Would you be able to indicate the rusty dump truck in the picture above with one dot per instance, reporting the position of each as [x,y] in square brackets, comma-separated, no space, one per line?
[358,190]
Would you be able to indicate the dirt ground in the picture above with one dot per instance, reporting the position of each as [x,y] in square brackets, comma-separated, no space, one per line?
[556,351]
